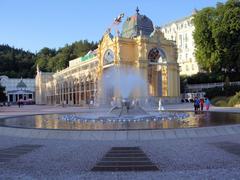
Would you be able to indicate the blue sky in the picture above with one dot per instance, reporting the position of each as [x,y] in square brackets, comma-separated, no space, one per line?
[32,25]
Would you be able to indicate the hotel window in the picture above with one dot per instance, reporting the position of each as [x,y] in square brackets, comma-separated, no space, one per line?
[192,67]
[180,40]
[186,37]
[187,68]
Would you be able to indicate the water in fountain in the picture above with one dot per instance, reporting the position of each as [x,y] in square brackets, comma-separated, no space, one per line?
[123,82]
[126,85]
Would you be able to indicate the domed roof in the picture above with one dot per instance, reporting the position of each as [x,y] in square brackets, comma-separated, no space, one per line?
[136,25]
[21,84]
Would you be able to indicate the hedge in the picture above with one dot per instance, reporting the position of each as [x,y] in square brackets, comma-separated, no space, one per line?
[222,91]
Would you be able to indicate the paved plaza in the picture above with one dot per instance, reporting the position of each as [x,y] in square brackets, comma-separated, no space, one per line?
[197,153]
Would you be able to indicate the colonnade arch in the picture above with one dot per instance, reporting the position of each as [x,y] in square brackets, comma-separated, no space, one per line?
[74,90]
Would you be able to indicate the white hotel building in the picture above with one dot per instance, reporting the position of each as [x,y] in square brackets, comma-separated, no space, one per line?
[181,31]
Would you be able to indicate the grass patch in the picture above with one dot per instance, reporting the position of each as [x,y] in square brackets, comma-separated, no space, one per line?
[226,101]
[234,100]
[221,101]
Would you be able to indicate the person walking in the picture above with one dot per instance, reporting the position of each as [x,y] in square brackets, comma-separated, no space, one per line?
[196,104]
[207,103]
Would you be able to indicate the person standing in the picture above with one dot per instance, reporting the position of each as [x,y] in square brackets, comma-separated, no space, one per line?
[91,103]
[207,103]
[201,104]
[196,104]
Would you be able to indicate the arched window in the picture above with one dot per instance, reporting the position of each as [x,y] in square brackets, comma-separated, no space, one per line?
[156,55]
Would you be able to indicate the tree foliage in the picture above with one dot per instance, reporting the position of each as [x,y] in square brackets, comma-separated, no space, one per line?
[225,91]
[217,37]
[16,63]
[2,94]
[52,60]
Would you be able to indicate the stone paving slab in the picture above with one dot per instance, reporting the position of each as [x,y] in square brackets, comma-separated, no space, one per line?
[122,135]
[181,133]
[157,135]
[133,135]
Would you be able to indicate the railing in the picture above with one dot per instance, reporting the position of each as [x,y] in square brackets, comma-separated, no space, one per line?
[209,85]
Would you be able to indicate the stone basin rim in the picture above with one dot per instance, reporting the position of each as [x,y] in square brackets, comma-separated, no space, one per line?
[119,130]
[109,130]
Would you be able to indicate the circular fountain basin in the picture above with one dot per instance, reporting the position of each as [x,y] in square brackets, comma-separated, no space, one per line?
[87,121]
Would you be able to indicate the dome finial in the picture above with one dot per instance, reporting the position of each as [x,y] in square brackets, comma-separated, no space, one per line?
[137,10]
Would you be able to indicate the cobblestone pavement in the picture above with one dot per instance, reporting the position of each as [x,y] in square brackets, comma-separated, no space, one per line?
[195,158]
[213,156]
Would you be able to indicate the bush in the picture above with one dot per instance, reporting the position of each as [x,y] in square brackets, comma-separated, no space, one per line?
[234,100]
[220,101]
[222,91]
[204,78]
[223,101]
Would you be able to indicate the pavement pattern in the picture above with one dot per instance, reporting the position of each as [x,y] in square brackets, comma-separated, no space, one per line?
[195,158]
[204,155]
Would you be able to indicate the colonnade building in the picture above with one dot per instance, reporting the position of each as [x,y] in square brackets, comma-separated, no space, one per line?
[140,46]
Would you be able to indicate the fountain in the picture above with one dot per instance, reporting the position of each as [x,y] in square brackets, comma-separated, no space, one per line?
[128,89]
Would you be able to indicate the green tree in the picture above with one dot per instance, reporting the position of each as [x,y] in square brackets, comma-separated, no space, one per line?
[205,45]
[2,94]
[217,37]
[52,60]
[16,63]
[42,58]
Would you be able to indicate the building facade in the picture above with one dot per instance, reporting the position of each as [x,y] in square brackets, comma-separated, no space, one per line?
[18,89]
[181,32]
[139,46]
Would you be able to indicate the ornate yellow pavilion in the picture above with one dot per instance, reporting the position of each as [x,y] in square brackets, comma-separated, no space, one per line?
[139,45]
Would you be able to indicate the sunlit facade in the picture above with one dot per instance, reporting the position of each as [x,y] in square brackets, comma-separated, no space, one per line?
[140,45]
[181,32]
